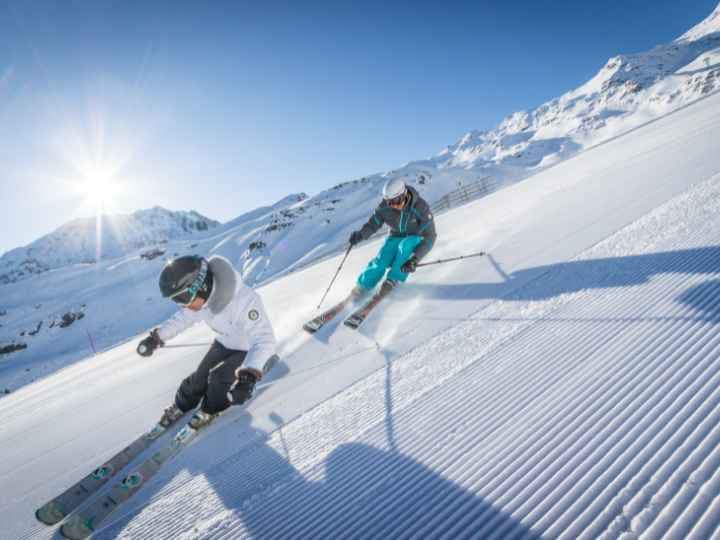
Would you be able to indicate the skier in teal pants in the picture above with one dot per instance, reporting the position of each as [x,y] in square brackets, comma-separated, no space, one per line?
[412,235]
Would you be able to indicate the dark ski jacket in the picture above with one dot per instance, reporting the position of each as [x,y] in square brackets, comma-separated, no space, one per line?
[414,219]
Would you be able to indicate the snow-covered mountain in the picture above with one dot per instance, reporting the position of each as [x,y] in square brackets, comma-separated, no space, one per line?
[629,90]
[87,240]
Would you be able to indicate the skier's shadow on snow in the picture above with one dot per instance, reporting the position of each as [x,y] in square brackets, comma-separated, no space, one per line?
[705,298]
[576,276]
[362,491]
[358,491]
[251,489]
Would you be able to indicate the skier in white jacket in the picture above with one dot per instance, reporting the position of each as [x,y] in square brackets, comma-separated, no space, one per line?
[244,348]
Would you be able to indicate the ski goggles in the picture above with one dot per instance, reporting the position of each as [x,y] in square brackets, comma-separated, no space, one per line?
[397,201]
[187,296]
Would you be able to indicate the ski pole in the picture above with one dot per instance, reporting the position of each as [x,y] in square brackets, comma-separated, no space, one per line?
[439,261]
[335,276]
[182,346]
[299,372]
[143,348]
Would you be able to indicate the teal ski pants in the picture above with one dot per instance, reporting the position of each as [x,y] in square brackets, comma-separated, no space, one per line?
[393,254]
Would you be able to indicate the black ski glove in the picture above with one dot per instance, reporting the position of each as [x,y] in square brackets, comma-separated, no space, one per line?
[410,265]
[148,345]
[355,238]
[245,387]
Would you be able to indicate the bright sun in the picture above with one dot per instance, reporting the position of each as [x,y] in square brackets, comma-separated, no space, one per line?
[99,190]
[98,185]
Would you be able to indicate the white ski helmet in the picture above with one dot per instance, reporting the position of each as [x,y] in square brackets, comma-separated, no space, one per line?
[393,188]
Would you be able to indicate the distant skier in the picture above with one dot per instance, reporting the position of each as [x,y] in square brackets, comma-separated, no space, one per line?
[411,237]
[212,291]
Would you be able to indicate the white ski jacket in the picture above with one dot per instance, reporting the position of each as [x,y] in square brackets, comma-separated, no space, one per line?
[235,312]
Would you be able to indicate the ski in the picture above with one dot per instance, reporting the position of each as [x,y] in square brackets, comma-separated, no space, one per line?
[83,523]
[358,316]
[318,322]
[57,509]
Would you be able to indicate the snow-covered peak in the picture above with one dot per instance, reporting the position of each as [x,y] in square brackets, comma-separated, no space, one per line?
[627,91]
[291,199]
[86,240]
[710,25]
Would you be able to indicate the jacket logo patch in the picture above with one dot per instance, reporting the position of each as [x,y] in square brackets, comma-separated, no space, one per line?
[253,315]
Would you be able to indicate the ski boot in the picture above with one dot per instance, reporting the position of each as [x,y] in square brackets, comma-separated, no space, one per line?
[358,317]
[358,292]
[171,415]
[387,286]
[198,421]
[201,419]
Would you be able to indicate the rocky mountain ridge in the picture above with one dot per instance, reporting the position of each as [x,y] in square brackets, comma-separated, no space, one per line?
[628,90]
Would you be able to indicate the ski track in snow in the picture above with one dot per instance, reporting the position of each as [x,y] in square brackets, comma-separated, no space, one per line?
[591,423]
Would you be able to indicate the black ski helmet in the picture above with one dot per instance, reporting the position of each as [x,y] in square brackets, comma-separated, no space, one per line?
[185,278]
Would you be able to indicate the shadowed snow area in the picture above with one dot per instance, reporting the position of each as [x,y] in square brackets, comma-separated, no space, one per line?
[567,386]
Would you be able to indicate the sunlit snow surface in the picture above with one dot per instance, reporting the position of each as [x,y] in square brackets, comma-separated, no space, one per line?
[566,387]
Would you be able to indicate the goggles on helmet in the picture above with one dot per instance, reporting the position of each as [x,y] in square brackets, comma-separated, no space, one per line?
[397,201]
[186,296]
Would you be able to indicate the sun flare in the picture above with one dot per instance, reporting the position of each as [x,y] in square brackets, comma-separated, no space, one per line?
[98,185]
[99,191]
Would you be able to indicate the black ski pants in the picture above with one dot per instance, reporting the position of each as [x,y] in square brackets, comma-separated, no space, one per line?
[212,382]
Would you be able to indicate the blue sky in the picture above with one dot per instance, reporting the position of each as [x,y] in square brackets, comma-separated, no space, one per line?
[224,106]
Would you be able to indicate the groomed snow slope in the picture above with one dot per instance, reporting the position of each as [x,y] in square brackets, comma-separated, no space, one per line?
[566,387]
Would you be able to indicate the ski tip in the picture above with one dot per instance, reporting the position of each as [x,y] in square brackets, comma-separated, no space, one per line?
[352,323]
[49,514]
[76,530]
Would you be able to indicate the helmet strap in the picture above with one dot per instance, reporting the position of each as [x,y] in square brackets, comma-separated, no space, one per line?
[207,286]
